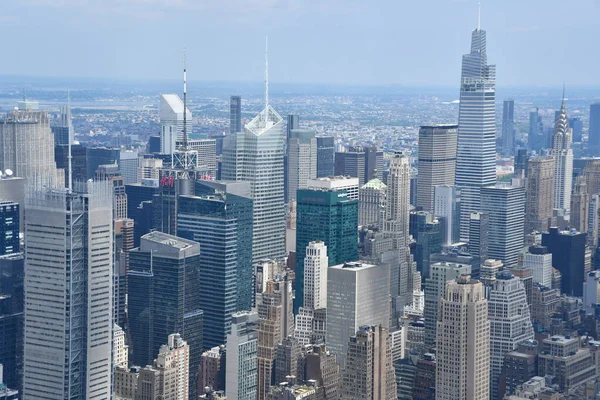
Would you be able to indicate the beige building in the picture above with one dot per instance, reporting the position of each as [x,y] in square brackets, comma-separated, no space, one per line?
[149,168]
[463,342]
[120,357]
[371,203]
[369,373]
[580,203]
[539,194]
[437,161]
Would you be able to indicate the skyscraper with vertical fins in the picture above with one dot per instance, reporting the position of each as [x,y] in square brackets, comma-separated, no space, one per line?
[476,155]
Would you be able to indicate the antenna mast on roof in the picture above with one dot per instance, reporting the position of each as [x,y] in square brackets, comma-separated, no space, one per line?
[479,18]
[266,80]
[69,156]
[185,138]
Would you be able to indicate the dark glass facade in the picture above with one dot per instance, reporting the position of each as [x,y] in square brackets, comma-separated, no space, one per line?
[568,256]
[136,195]
[78,161]
[427,233]
[100,156]
[328,216]
[220,219]
[235,114]
[9,223]
[325,156]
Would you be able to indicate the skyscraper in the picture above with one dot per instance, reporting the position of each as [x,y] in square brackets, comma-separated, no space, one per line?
[235,114]
[476,154]
[371,202]
[396,223]
[129,162]
[363,162]
[437,161]
[505,206]
[446,205]
[463,342]
[27,146]
[435,288]
[328,216]
[479,239]
[9,227]
[539,202]
[302,160]
[164,298]
[568,250]
[63,130]
[325,156]
[563,159]
[256,155]
[594,131]
[539,260]
[220,220]
[536,139]
[369,373]
[357,294]
[69,251]
[577,125]
[580,202]
[241,360]
[293,122]
[96,156]
[510,322]
[508,127]
[171,122]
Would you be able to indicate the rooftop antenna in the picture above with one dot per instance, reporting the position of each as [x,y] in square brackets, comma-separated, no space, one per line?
[266,80]
[185,138]
[479,18]
[69,156]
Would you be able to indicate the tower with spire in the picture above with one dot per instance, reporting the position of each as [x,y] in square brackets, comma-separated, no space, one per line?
[563,158]
[476,152]
[256,155]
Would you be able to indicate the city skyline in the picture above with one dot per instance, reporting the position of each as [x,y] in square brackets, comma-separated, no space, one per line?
[355,56]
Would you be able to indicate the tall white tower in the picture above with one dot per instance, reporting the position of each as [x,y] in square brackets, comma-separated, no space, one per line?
[563,159]
[68,293]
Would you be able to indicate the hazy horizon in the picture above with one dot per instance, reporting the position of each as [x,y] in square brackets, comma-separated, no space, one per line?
[352,42]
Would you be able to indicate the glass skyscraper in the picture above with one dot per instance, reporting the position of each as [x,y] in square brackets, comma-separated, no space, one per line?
[476,154]
[328,216]
[256,155]
[325,156]
[163,282]
[220,219]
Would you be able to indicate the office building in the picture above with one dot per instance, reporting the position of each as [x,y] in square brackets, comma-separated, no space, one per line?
[479,239]
[508,127]
[129,162]
[235,114]
[521,161]
[287,355]
[396,225]
[539,194]
[316,263]
[371,202]
[97,156]
[362,162]
[302,160]
[112,174]
[241,363]
[357,295]
[139,206]
[591,175]
[536,139]
[212,369]
[426,230]
[207,155]
[149,168]
[591,292]
[563,358]
[63,130]
[9,231]
[171,111]
[321,365]
[519,366]
[463,342]
[27,146]
[580,202]
[220,220]
[577,125]
[163,298]
[594,130]
[12,274]
[593,221]
[120,357]
[6,393]
[347,183]
[510,322]
[293,122]
[256,155]
[325,156]
[123,239]
[435,288]
[369,372]
[505,206]
[437,161]
[78,162]
[568,250]
[539,260]
[275,322]
[75,362]
[446,206]
[328,216]
[476,154]
[563,159]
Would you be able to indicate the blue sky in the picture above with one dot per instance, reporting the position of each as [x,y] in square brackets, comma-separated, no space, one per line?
[417,42]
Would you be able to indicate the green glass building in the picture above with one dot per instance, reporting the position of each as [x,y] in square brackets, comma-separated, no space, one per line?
[329,216]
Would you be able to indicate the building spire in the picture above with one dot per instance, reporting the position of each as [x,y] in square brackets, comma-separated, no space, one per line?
[69,155]
[266,75]
[185,138]
[479,18]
